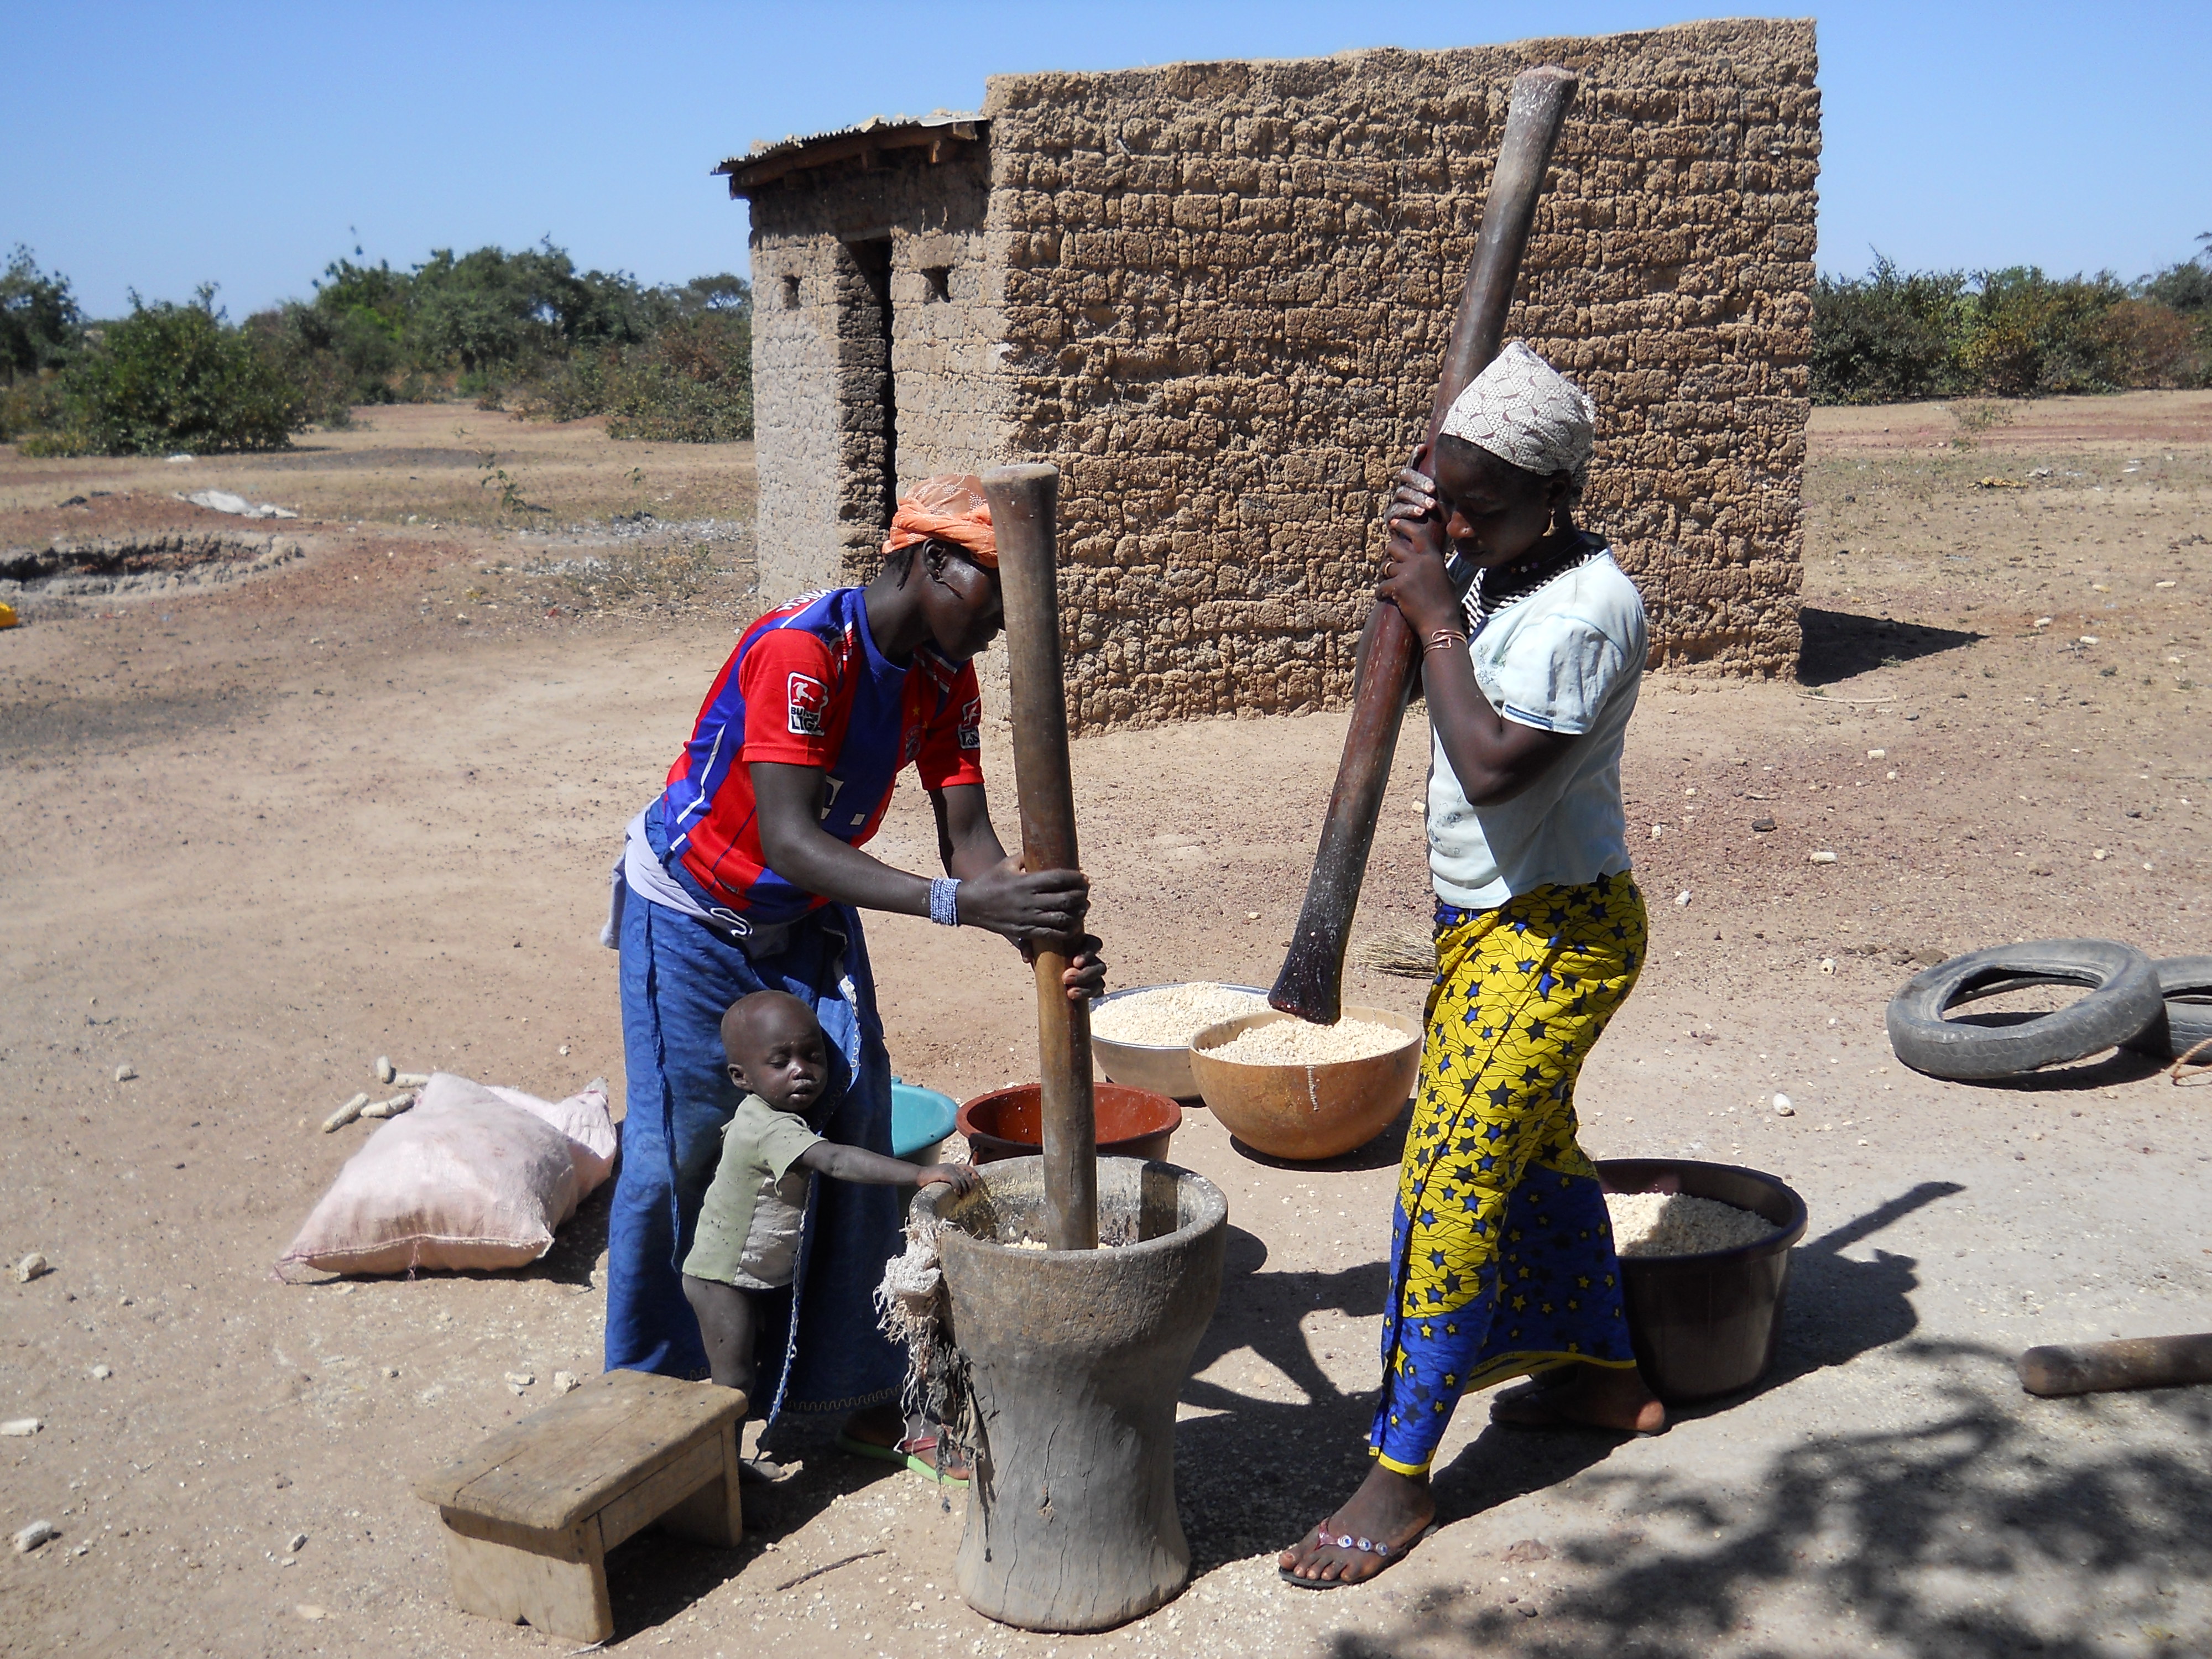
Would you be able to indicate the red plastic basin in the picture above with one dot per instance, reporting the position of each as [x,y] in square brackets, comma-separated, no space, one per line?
[1132,1122]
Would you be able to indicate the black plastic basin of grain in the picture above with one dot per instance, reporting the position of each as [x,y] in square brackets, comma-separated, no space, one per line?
[1706,1325]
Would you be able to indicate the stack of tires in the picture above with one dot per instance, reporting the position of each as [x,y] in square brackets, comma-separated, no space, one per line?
[2162,1009]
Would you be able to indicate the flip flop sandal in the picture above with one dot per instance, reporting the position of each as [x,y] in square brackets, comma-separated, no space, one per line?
[765,1472]
[907,1454]
[1390,1555]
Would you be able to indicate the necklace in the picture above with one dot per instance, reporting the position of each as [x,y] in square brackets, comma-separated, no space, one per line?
[1494,589]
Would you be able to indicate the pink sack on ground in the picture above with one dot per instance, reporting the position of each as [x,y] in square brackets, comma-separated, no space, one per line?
[473,1176]
[583,1118]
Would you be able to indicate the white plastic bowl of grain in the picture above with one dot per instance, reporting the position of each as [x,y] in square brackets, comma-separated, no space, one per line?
[1142,1037]
[1703,1288]
[1294,1090]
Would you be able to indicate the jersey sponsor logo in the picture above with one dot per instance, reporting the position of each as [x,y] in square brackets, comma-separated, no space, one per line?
[971,723]
[808,702]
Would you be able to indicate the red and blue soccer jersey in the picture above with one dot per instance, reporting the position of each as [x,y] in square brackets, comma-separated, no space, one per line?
[807,687]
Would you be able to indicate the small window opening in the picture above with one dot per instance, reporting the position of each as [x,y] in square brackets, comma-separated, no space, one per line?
[940,278]
[791,293]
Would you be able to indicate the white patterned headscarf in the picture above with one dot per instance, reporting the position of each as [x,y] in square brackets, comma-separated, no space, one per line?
[1523,410]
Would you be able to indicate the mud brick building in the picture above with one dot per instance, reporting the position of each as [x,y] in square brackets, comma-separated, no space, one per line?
[1216,295]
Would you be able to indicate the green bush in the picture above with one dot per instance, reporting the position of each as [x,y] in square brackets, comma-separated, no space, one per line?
[1885,337]
[171,377]
[348,346]
[2149,345]
[696,385]
[2029,335]
[2186,286]
[29,407]
[691,383]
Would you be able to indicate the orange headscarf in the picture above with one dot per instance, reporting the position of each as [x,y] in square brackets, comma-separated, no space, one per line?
[949,507]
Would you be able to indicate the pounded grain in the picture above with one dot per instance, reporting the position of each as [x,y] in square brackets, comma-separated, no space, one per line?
[1676,1224]
[1171,1016]
[1295,1042]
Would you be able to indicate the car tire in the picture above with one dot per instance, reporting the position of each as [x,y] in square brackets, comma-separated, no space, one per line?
[2185,984]
[2123,1003]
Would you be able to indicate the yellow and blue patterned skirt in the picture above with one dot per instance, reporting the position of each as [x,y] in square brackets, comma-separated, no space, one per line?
[1502,1259]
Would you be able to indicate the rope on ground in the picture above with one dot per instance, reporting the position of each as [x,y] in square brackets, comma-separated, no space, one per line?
[2203,1066]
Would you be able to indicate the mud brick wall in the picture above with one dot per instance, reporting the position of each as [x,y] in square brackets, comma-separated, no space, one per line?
[841,399]
[1216,295]
[1229,285]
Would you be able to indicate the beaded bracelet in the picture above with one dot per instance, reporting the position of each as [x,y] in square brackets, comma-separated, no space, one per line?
[1441,638]
[945,901]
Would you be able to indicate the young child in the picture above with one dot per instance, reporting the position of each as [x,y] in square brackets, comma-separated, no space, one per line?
[747,1239]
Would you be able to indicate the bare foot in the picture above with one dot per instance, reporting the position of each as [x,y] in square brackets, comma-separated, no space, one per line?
[1582,1396]
[1388,1513]
[879,1426]
[886,1425]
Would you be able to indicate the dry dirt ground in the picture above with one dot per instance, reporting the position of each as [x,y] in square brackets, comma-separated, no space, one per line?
[259,834]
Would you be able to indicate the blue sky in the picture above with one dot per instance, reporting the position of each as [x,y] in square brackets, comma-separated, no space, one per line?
[156,147]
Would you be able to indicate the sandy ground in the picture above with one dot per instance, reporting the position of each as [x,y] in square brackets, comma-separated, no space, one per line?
[259,836]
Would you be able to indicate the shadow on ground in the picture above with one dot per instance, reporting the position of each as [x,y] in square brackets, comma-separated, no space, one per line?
[1992,1526]
[1382,1153]
[1972,1534]
[1838,1308]
[654,1577]
[1257,1472]
[40,733]
[580,1241]
[1839,646]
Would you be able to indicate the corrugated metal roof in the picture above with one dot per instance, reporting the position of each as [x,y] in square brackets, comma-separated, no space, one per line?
[770,160]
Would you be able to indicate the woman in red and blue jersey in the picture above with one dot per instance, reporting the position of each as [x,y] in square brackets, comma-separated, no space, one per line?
[747,873]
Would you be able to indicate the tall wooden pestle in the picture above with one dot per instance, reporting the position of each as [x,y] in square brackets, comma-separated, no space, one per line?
[1311,983]
[1024,503]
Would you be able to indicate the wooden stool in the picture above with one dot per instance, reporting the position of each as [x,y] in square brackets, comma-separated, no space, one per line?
[530,1514]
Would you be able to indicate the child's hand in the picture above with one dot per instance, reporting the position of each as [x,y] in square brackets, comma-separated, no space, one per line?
[962,1178]
[1084,977]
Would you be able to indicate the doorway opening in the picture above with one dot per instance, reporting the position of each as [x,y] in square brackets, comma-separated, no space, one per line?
[874,329]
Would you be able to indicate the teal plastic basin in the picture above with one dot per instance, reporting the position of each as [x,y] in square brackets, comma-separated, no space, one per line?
[920,1118]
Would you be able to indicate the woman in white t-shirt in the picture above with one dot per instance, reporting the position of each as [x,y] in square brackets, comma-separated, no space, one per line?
[1502,1259]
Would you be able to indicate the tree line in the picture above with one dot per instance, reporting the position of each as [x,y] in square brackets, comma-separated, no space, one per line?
[523,331]
[1898,337]
[528,331]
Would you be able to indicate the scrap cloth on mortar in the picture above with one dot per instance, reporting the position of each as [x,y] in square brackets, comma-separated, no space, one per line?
[1502,1258]
[701,920]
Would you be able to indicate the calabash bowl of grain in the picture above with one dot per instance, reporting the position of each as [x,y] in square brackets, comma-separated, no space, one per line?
[1293,1090]
[1142,1037]
[1705,1322]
